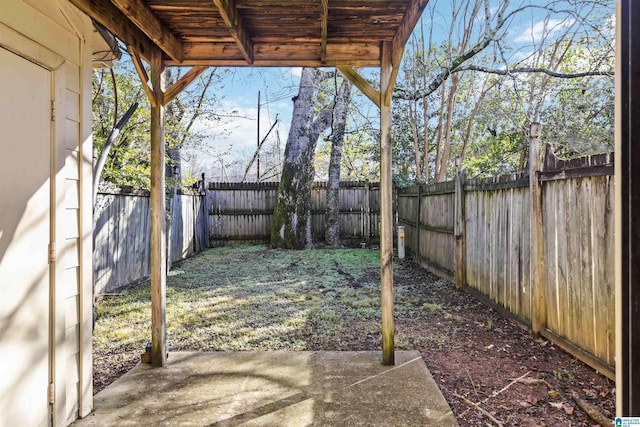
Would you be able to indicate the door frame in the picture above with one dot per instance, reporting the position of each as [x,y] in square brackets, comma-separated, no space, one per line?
[42,56]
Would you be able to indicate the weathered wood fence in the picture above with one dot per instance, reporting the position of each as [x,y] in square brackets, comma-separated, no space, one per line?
[121,235]
[242,212]
[479,233]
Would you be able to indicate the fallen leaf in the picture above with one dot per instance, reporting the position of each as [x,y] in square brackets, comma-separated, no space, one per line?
[590,393]
[553,393]
[533,381]
[524,404]
[568,409]
[532,399]
[556,405]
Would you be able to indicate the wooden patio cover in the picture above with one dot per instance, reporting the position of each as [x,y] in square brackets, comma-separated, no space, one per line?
[242,33]
[238,33]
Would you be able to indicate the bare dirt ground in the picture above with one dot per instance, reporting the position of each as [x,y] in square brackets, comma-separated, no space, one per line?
[491,371]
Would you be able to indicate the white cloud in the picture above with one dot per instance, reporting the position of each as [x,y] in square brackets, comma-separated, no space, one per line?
[543,29]
[239,133]
[296,71]
[521,55]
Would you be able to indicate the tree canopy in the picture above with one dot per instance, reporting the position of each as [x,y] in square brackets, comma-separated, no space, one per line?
[128,161]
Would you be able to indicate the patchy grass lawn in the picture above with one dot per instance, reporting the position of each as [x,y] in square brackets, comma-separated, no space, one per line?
[254,298]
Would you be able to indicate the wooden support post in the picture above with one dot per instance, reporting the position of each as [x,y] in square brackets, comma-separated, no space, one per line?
[538,309]
[386,208]
[158,233]
[460,230]
[627,209]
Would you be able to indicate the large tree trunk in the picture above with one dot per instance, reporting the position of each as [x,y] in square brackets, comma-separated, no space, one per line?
[291,224]
[332,219]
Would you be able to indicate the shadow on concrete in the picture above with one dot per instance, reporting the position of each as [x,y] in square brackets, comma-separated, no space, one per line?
[275,388]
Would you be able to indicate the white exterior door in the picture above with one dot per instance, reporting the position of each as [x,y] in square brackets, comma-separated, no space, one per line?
[25,178]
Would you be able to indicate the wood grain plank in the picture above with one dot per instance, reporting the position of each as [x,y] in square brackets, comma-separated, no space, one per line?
[146,20]
[235,25]
[550,209]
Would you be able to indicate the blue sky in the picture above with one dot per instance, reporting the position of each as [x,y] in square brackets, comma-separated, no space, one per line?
[237,136]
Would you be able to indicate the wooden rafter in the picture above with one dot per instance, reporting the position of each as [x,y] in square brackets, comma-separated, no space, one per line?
[395,49]
[409,20]
[142,73]
[144,18]
[171,93]
[324,23]
[110,17]
[358,81]
[235,26]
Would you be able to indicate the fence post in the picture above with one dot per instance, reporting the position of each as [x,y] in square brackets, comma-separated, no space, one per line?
[418,224]
[367,214]
[539,310]
[460,230]
[205,215]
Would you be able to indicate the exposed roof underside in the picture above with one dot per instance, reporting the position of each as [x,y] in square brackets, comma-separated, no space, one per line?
[310,33]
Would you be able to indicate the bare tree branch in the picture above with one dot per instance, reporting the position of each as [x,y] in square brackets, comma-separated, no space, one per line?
[556,74]
[491,35]
[403,94]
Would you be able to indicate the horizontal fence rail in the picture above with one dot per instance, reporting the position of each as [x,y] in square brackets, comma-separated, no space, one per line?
[478,232]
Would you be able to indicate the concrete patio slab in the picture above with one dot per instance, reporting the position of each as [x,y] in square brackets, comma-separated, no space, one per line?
[274,389]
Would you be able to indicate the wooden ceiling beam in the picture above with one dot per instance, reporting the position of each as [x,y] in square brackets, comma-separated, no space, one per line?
[411,17]
[109,16]
[305,54]
[146,20]
[324,23]
[354,77]
[391,52]
[285,62]
[234,23]
[172,92]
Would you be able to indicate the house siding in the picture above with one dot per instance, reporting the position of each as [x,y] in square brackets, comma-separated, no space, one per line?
[62,29]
